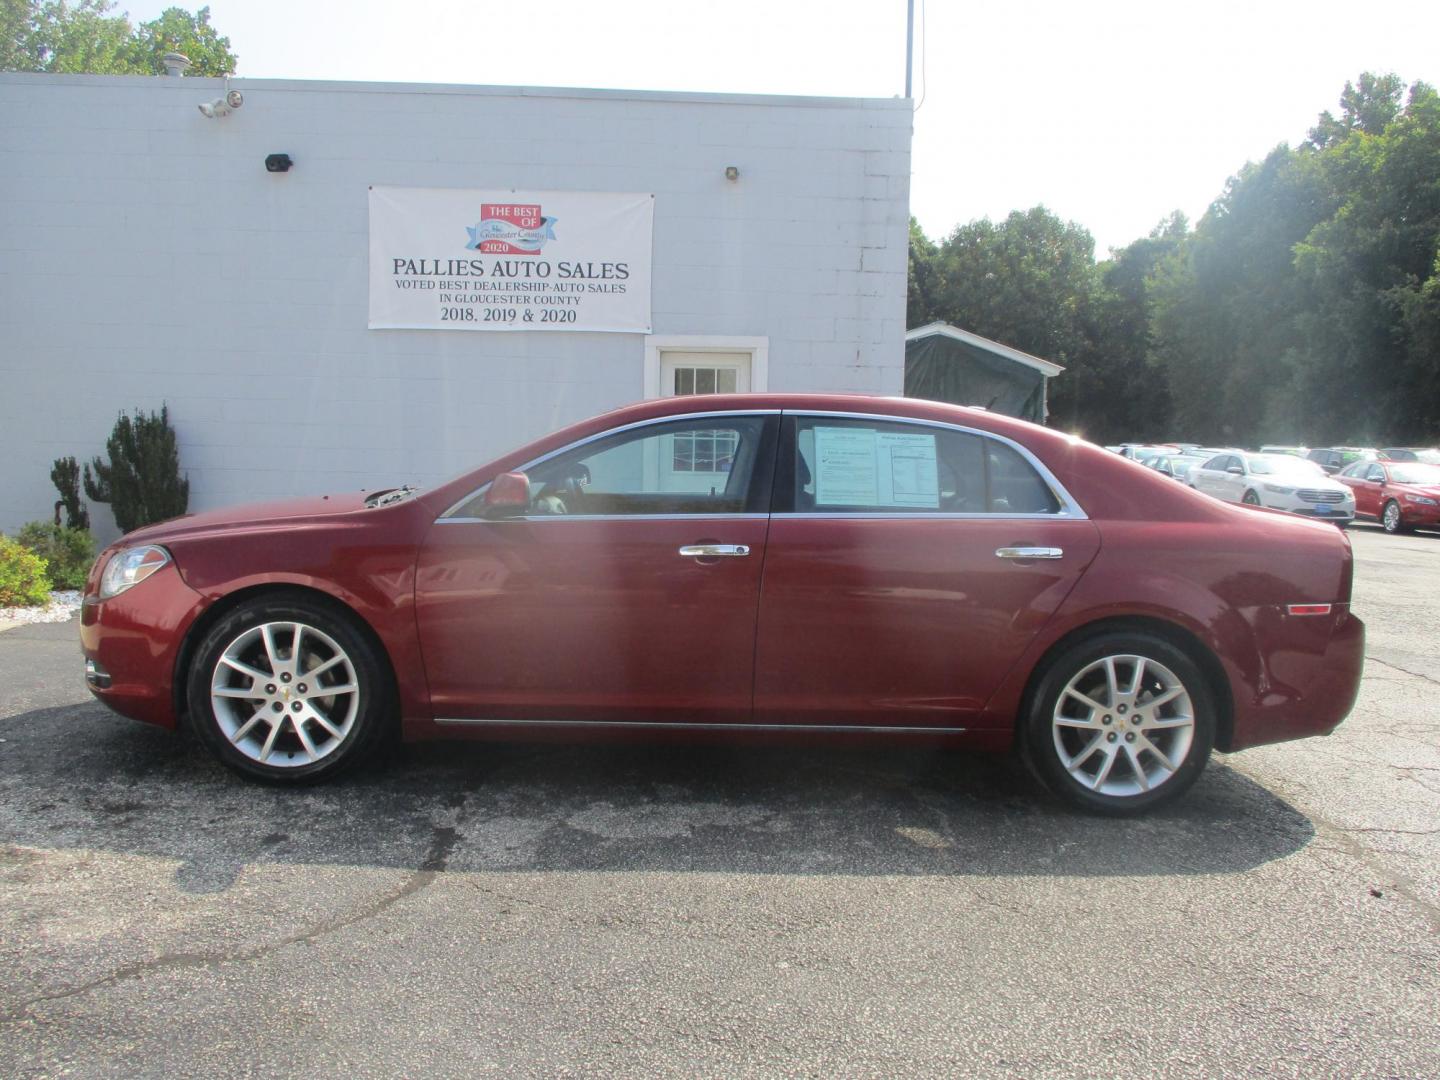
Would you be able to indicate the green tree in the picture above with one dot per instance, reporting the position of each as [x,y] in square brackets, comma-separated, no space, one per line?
[923,278]
[1226,304]
[86,37]
[1029,282]
[141,481]
[176,30]
[1134,394]
[1370,107]
[1373,270]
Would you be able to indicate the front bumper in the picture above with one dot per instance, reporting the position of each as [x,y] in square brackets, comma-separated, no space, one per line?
[1419,514]
[131,642]
[1340,513]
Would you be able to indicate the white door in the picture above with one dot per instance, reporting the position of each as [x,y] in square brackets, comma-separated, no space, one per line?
[699,461]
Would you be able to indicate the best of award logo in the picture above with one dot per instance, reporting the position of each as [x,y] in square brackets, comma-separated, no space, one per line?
[508,229]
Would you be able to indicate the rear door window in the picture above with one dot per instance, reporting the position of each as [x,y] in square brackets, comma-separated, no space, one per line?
[844,465]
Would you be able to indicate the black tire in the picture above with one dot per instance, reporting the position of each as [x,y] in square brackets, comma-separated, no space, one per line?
[1039,733]
[1251,499]
[1392,522]
[328,629]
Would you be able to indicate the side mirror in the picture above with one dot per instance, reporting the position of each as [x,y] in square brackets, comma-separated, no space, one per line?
[509,496]
[1235,470]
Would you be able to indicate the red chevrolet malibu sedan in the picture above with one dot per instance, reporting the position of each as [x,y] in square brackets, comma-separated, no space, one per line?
[808,566]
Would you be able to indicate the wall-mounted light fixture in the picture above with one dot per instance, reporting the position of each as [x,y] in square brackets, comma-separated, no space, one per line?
[732,172]
[278,163]
[223,106]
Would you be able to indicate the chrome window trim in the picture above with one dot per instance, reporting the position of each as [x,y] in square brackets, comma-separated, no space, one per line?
[1069,508]
[674,418]
[925,515]
[607,517]
[685,725]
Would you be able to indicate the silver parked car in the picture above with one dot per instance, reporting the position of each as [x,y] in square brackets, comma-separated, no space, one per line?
[1278,481]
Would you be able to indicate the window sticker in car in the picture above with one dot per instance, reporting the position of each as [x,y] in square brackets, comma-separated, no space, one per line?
[865,467]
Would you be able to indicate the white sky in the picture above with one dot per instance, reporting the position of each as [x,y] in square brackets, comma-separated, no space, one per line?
[1111,113]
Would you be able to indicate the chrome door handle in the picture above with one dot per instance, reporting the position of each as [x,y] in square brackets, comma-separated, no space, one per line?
[714,551]
[1029,553]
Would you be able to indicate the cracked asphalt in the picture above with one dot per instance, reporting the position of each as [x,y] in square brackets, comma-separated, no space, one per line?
[620,911]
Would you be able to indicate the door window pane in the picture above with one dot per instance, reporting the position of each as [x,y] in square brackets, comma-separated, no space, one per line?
[700,466]
[1015,486]
[876,466]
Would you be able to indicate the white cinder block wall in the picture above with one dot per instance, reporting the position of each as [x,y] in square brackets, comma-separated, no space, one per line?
[146,256]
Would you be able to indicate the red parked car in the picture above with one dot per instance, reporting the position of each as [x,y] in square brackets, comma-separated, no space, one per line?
[1401,495]
[730,566]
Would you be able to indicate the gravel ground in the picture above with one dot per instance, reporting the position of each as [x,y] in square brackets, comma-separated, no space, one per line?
[566,911]
[61,607]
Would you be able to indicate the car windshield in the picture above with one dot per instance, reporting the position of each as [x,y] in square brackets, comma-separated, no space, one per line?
[1282,465]
[1415,473]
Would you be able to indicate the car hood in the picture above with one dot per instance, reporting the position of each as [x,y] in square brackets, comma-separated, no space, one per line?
[248,515]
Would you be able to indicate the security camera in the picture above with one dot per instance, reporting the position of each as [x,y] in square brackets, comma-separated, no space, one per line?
[234,99]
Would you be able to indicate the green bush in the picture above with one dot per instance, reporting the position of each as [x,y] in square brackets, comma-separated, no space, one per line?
[65,475]
[142,481]
[22,576]
[68,553]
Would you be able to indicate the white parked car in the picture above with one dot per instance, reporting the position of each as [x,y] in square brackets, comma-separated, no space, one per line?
[1278,481]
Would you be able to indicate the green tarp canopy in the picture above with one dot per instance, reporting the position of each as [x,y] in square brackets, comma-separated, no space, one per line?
[944,363]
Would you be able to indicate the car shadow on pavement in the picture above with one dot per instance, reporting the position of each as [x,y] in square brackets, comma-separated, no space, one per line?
[76,777]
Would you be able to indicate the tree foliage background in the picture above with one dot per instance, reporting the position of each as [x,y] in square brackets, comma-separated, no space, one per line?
[86,37]
[1304,306]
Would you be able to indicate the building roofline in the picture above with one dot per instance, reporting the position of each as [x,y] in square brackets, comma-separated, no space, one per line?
[461,89]
[944,329]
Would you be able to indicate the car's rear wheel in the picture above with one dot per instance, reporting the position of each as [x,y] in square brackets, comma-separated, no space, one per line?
[288,690]
[1390,517]
[1251,499]
[1120,723]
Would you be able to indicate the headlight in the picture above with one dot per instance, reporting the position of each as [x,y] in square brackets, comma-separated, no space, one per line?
[130,567]
[1278,490]
[1421,499]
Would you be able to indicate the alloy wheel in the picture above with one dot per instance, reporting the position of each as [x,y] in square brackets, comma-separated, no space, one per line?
[285,694]
[1123,725]
[1391,519]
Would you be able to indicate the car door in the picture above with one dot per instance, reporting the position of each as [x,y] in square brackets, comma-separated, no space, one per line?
[1210,477]
[1371,490]
[617,594]
[1358,478]
[907,568]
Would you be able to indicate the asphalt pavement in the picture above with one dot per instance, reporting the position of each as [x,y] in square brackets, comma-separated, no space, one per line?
[554,911]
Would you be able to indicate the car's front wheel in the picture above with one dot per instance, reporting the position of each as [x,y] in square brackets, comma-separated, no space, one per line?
[1251,499]
[1120,723]
[288,690]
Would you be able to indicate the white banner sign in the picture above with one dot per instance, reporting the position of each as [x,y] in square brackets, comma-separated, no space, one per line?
[456,259]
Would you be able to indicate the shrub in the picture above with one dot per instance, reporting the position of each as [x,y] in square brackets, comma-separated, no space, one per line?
[22,576]
[142,482]
[68,553]
[66,477]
